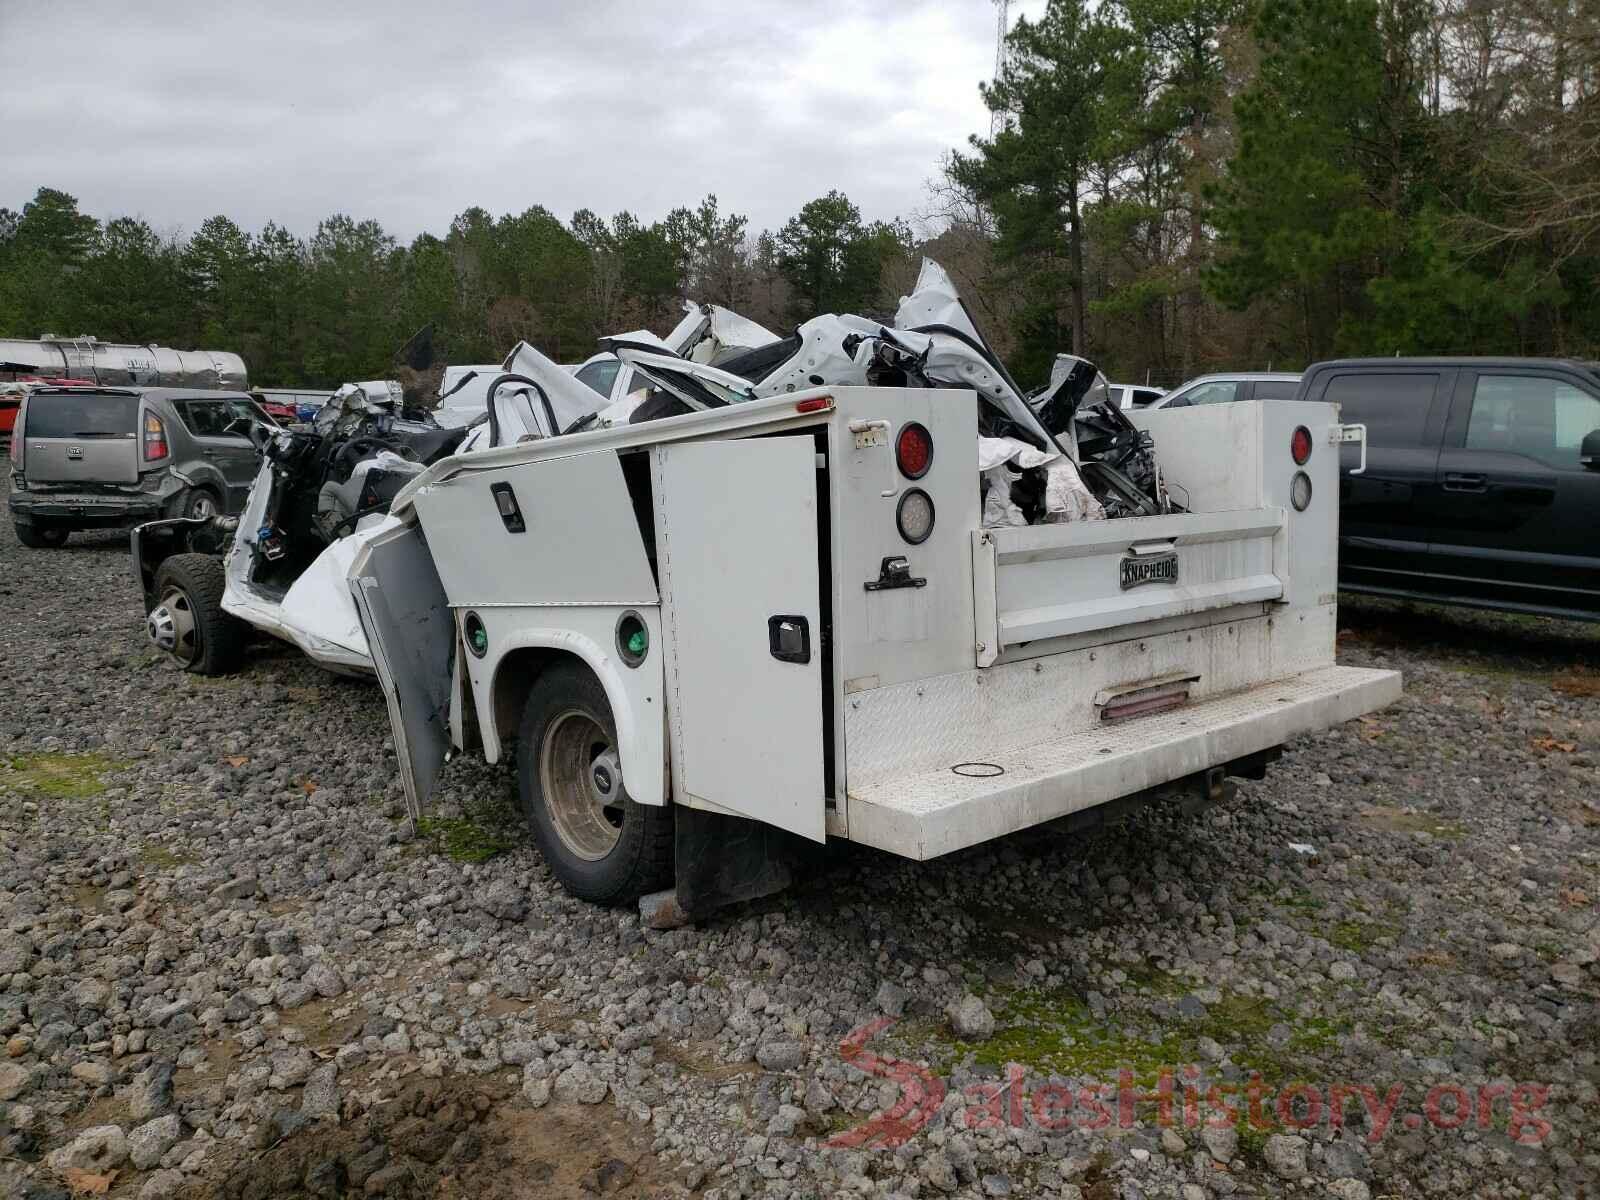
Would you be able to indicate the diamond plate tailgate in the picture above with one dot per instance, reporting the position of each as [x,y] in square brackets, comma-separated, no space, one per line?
[925,814]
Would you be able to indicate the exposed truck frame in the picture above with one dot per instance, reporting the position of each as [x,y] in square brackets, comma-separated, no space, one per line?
[715,633]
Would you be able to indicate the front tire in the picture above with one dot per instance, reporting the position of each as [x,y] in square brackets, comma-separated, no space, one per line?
[601,844]
[41,537]
[188,622]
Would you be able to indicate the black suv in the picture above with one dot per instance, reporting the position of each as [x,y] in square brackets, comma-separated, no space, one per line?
[1482,484]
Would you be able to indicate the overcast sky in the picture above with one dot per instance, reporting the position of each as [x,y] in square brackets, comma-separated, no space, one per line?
[410,112]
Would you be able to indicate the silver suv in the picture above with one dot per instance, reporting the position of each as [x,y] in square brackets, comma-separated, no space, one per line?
[106,458]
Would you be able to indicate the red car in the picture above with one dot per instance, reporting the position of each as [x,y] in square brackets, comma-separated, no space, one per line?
[281,413]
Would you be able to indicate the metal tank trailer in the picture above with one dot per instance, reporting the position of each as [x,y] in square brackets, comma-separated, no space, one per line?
[114,364]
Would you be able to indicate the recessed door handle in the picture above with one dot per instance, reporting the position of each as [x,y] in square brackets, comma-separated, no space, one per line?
[789,638]
[1465,481]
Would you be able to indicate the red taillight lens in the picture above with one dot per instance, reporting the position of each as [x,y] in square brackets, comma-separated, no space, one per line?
[813,404]
[155,438]
[1300,445]
[913,450]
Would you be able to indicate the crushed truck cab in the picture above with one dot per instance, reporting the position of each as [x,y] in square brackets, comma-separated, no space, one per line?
[713,633]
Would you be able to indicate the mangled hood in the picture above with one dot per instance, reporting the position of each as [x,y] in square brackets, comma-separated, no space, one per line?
[570,401]
[710,333]
[960,354]
[933,337]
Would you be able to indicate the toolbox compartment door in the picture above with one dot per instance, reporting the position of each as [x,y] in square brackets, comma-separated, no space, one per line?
[736,533]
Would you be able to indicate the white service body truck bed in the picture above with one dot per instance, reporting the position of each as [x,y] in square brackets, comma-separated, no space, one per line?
[810,669]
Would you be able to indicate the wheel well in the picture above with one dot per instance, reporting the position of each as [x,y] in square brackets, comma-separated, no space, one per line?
[513,679]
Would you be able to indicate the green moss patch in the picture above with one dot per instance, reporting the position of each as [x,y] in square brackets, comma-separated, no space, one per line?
[1360,936]
[1406,821]
[57,776]
[164,858]
[461,839]
[1053,1031]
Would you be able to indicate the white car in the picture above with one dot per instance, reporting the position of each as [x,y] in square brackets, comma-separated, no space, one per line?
[1135,395]
[1225,388]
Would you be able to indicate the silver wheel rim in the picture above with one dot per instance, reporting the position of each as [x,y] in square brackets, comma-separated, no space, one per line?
[575,755]
[202,506]
[173,628]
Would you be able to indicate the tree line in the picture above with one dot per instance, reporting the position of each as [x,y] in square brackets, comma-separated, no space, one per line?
[1173,186]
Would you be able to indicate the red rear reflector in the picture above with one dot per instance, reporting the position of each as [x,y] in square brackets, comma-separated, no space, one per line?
[1141,702]
[155,438]
[813,404]
[1300,445]
[913,450]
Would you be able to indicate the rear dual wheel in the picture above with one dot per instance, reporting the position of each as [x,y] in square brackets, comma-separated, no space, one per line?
[601,844]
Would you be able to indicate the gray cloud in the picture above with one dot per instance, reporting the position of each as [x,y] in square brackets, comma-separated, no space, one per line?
[409,113]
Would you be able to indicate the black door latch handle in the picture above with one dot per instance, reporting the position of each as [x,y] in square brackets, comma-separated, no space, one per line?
[894,572]
[789,638]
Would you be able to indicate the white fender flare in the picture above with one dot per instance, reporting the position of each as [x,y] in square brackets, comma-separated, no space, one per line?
[636,694]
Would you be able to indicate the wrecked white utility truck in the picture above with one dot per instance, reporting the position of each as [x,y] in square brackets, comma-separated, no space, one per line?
[776,602]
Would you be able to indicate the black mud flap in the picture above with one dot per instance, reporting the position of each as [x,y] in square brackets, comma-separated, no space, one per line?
[720,860]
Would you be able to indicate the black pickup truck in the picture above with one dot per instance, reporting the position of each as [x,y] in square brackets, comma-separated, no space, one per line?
[1482,484]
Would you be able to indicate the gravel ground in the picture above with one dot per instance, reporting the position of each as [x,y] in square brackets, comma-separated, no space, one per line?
[229,967]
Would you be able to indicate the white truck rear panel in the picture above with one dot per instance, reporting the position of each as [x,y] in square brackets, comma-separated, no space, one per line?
[1062,644]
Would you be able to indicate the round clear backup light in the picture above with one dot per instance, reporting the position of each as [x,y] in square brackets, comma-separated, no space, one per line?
[914,516]
[1300,491]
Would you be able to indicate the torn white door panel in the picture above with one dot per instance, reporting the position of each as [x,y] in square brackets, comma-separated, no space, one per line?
[412,635]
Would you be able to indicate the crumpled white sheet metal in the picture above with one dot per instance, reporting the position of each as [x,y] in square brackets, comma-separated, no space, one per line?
[380,394]
[319,603]
[708,332]
[822,358]
[729,331]
[935,301]
[569,399]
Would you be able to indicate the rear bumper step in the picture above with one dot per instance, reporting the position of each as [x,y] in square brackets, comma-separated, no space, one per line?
[930,813]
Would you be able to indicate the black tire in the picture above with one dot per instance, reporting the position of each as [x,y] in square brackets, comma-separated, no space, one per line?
[640,861]
[37,536]
[195,581]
